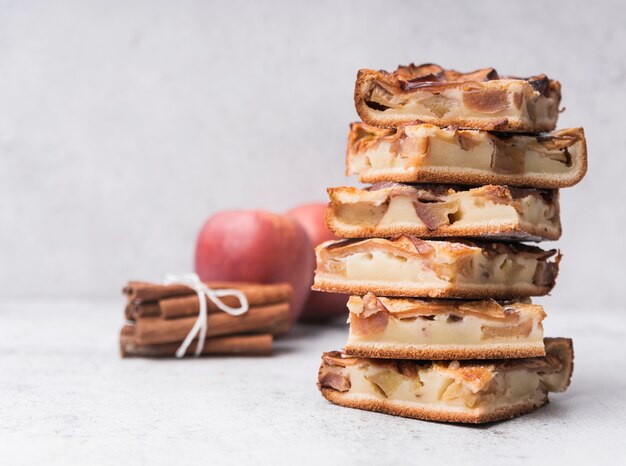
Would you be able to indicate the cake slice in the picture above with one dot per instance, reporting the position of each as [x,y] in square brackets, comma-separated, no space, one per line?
[465,391]
[410,328]
[481,99]
[490,212]
[408,266]
[428,154]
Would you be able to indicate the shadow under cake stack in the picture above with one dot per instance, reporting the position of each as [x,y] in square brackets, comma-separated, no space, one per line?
[464,167]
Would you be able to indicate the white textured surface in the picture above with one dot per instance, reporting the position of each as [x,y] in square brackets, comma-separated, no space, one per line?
[125,123]
[67,398]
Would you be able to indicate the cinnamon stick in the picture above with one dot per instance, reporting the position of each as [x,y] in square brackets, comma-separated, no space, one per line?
[172,301]
[257,345]
[257,295]
[142,309]
[144,291]
[272,319]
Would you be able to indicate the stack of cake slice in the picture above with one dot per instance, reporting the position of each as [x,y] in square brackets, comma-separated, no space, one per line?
[464,167]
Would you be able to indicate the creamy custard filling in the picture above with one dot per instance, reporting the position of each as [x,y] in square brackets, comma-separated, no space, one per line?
[443,322]
[500,101]
[415,147]
[468,386]
[446,155]
[446,330]
[401,206]
[433,267]
[437,387]
[385,266]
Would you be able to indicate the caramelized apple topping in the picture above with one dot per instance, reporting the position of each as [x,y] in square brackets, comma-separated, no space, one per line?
[485,74]
[410,147]
[560,353]
[427,72]
[473,377]
[372,305]
[506,158]
[560,140]
[496,249]
[373,317]
[556,146]
[379,94]
[421,246]
[408,368]
[413,76]
[406,309]
[410,308]
[363,137]
[343,243]
[335,358]
[428,193]
[436,214]
[438,104]
[546,272]
[539,83]
[488,308]
[486,100]
[453,318]
[499,195]
[386,381]
[373,324]
[456,390]
[467,140]
[490,332]
[337,381]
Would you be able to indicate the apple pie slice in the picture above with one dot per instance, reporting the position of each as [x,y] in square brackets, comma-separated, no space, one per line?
[492,212]
[481,99]
[408,266]
[444,391]
[410,328]
[428,154]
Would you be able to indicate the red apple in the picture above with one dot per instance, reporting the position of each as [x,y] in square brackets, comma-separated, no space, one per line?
[319,305]
[256,246]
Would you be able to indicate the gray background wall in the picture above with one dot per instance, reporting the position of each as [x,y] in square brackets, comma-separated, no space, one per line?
[124,124]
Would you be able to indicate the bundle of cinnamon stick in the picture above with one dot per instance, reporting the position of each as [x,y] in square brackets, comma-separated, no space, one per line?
[159,317]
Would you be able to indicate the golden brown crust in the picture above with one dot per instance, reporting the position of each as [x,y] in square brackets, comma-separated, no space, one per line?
[408,80]
[517,290]
[450,175]
[445,352]
[397,408]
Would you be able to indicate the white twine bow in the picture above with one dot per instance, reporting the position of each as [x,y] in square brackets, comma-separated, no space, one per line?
[192,281]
